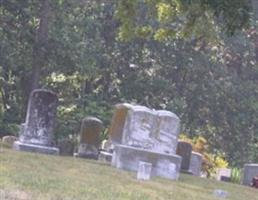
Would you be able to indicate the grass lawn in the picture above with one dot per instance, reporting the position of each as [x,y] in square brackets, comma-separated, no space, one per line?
[28,176]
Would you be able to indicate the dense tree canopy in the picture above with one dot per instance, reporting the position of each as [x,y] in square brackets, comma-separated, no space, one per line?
[182,18]
[75,49]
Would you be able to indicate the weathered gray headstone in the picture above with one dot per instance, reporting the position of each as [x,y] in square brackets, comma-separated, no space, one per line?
[196,164]
[141,134]
[89,137]
[250,171]
[37,132]
[184,149]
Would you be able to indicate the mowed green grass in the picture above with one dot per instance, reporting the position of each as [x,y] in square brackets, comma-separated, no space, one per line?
[29,176]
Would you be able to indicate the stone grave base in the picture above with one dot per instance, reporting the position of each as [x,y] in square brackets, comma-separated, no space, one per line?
[187,172]
[87,151]
[163,165]
[86,155]
[105,156]
[19,146]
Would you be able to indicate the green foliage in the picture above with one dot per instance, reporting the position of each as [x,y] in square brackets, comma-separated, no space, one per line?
[187,18]
[8,123]
[70,117]
[236,175]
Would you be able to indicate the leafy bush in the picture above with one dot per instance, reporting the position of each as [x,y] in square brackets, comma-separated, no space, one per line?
[236,175]
[69,118]
[8,129]
[210,161]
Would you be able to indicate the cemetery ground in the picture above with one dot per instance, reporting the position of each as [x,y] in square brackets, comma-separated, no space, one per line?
[28,176]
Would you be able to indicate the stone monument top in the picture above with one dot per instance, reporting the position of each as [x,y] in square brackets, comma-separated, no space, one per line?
[141,127]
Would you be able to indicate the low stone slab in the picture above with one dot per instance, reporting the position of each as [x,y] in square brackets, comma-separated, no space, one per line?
[105,156]
[163,165]
[223,174]
[35,148]
[9,140]
[88,151]
[250,171]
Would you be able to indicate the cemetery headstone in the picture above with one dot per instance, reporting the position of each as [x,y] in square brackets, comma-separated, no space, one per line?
[196,164]
[184,149]
[223,174]
[91,128]
[250,171]
[37,132]
[141,134]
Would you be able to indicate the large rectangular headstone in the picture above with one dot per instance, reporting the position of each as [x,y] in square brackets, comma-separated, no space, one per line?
[141,127]
[37,132]
[142,134]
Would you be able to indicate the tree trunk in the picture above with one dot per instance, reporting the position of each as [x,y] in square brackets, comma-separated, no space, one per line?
[39,49]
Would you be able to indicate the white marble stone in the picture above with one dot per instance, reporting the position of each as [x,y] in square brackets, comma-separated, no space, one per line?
[142,134]
[163,165]
[223,172]
[144,171]
[145,128]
